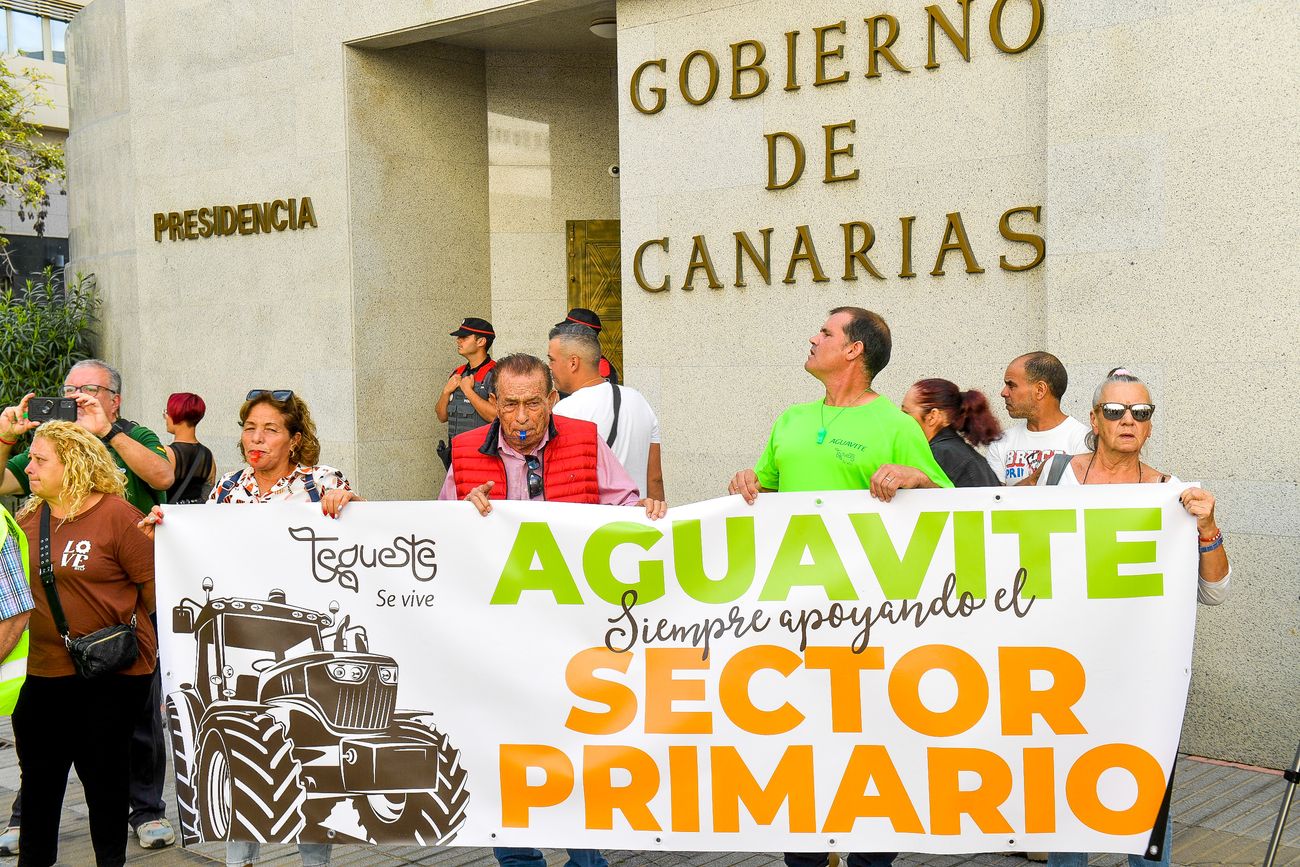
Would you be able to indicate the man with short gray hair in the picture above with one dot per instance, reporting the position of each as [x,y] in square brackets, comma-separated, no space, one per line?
[623,417]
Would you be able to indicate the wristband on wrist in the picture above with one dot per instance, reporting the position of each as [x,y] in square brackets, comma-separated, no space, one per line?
[12,442]
[1215,542]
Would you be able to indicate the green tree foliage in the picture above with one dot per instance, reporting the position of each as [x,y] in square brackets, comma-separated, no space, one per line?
[29,165]
[46,327]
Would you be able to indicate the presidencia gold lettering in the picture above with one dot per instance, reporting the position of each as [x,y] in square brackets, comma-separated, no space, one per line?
[962,43]
[882,49]
[684,77]
[805,251]
[1035,27]
[638,270]
[954,238]
[1035,242]
[856,254]
[763,264]
[796,171]
[906,270]
[832,151]
[756,67]
[205,222]
[306,213]
[701,260]
[821,52]
[249,218]
[660,94]
[791,71]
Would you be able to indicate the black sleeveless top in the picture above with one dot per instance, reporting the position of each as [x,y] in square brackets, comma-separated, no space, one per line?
[197,489]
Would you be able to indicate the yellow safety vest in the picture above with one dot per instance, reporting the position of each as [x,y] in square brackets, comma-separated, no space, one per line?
[13,671]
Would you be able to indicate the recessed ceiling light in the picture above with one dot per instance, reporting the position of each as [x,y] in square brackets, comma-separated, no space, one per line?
[605,28]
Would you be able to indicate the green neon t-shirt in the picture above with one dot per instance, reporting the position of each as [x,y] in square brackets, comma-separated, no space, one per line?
[858,440]
[138,492]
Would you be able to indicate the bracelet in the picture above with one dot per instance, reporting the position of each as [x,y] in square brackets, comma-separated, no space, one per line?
[8,442]
[1205,540]
[1217,542]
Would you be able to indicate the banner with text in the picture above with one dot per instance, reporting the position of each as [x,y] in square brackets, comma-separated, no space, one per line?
[955,671]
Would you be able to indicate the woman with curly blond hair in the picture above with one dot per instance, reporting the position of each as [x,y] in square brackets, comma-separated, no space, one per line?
[103,575]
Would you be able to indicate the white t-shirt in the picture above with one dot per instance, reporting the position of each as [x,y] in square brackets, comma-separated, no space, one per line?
[1020,451]
[638,426]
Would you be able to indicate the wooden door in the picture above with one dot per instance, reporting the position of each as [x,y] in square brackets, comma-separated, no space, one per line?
[595,280]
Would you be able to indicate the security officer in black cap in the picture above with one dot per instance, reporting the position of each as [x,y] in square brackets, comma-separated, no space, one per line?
[464,403]
[583,316]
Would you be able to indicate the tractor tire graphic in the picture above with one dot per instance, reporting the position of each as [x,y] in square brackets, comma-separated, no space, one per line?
[250,783]
[182,725]
[429,818]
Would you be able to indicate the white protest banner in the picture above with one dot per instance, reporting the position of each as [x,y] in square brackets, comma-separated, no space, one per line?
[804,674]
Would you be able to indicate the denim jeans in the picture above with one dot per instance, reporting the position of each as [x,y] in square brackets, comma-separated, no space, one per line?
[1080,859]
[239,853]
[508,856]
[856,859]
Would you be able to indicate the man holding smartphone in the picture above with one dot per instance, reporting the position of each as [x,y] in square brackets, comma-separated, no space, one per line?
[97,389]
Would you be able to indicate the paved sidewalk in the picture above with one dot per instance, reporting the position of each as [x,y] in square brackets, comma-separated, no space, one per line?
[1223,814]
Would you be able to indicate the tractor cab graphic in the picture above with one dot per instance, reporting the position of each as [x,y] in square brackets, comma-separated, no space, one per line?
[290,731]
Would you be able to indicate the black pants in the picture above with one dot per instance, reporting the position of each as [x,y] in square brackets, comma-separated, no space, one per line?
[856,859]
[70,722]
[148,754]
[148,760]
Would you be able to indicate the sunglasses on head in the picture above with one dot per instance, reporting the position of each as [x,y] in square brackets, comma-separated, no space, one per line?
[534,476]
[1115,411]
[280,394]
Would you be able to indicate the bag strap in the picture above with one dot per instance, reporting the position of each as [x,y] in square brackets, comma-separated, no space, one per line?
[309,483]
[1056,468]
[47,576]
[189,476]
[613,429]
[228,485]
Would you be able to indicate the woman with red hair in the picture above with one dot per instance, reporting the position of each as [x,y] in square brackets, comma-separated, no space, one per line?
[196,470]
[953,421]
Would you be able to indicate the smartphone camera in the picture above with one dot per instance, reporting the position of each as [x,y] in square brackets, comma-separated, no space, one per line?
[43,409]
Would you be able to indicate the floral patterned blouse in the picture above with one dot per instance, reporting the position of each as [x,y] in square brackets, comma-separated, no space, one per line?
[291,488]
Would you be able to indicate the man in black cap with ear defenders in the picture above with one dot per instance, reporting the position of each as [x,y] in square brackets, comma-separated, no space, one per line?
[464,403]
[583,316]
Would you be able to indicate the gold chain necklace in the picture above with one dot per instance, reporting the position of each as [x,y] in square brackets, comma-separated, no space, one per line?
[821,434]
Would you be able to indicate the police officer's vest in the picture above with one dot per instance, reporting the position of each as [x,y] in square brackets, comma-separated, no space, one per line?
[13,671]
[461,416]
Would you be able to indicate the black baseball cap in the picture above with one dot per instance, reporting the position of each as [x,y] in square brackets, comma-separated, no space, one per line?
[582,316]
[474,325]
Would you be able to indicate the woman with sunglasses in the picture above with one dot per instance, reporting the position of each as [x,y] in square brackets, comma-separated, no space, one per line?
[1121,423]
[279,443]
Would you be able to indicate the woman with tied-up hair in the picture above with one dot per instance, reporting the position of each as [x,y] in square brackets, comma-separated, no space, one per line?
[1121,415]
[954,421]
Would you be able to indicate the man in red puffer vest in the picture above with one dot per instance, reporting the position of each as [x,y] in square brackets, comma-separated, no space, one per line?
[530,454]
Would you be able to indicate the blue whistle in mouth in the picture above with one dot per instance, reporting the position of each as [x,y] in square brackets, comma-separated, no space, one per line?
[523,435]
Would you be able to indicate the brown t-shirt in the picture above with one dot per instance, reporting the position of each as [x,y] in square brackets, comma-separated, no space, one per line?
[101,562]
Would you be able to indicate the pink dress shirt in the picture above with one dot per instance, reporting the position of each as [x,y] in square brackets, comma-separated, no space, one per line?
[616,486]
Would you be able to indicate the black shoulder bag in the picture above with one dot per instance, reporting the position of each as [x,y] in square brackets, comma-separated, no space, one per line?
[103,651]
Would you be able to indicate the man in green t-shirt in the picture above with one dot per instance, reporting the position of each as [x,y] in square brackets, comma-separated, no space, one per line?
[136,449]
[852,439]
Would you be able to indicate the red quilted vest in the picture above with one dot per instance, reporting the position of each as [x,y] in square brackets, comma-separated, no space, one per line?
[568,462]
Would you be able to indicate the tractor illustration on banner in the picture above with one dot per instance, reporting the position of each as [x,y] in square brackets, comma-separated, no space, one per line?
[290,732]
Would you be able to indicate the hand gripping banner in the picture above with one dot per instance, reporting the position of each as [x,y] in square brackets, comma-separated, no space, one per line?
[955,671]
